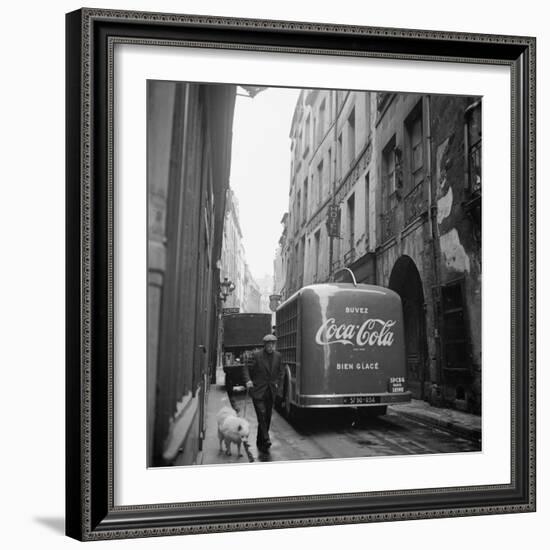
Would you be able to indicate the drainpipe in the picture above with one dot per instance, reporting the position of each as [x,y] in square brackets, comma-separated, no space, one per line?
[432,209]
[335,155]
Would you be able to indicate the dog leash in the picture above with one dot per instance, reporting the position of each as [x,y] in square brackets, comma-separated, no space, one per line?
[246,444]
[245,402]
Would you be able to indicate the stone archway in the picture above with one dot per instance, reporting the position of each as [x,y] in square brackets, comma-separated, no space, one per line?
[405,280]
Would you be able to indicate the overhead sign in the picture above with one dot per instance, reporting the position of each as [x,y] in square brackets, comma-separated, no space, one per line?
[333,221]
[230,310]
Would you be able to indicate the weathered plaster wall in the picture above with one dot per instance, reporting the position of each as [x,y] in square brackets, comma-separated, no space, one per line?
[460,248]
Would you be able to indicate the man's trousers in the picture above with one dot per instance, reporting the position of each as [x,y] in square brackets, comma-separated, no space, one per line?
[263,408]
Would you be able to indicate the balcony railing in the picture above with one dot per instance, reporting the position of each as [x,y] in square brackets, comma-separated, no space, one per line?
[415,203]
[349,257]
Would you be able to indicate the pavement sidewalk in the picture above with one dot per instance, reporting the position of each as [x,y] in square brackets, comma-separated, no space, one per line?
[217,398]
[457,422]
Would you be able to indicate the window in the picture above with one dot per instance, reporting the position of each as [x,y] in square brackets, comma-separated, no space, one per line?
[388,175]
[307,135]
[455,340]
[315,140]
[320,182]
[351,138]
[321,124]
[316,251]
[415,201]
[415,148]
[473,147]
[388,195]
[367,112]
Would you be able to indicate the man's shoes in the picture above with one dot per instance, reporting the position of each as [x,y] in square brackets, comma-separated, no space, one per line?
[264,448]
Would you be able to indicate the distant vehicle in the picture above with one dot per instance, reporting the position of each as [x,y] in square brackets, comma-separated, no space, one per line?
[342,345]
[242,334]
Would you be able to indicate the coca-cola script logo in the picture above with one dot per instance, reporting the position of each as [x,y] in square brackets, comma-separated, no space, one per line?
[373,332]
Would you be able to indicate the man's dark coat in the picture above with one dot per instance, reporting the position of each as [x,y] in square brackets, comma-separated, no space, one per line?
[266,371]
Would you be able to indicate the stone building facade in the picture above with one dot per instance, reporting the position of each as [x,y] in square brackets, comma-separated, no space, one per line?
[400,176]
[233,255]
[279,267]
[189,129]
[247,293]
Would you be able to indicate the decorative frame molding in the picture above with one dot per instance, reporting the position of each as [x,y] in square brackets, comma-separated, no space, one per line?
[91,36]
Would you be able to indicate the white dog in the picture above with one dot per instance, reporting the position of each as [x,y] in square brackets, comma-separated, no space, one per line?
[232,429]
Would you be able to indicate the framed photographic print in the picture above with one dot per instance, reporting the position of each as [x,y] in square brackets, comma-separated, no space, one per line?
[300,274]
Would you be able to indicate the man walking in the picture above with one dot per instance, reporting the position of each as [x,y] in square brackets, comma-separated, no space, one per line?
[263,377]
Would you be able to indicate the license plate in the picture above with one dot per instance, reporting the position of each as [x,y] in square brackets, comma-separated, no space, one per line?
[361,400]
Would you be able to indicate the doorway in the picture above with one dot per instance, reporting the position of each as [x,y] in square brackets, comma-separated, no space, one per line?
[405,280]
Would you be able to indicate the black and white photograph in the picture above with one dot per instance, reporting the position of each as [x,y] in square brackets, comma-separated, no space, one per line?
[270,275]
[314,273]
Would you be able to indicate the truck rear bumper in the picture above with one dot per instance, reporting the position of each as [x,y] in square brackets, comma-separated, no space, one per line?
[352,400]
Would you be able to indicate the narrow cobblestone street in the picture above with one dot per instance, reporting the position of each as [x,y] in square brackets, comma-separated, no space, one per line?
[333,434]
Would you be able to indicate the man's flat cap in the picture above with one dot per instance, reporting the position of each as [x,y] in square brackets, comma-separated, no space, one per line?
[270,338]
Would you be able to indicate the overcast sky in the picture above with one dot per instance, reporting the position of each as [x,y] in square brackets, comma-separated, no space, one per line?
[260,171]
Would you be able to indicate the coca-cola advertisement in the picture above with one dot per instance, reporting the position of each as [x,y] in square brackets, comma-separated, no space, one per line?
[352,339]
